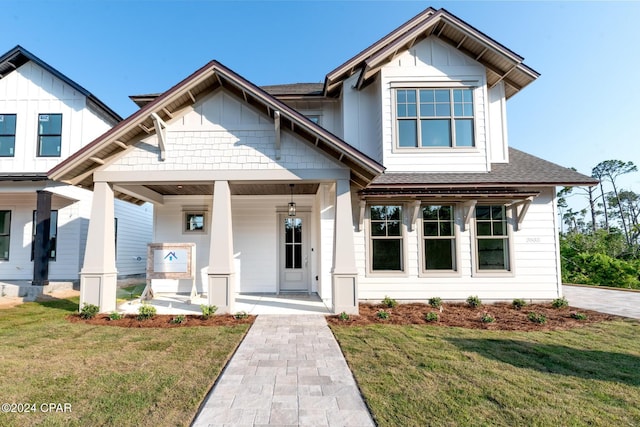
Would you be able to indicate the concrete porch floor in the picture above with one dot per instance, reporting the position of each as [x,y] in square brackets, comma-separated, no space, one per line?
[251,303]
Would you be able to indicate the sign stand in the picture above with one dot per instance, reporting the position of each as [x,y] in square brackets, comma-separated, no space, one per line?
[170,261]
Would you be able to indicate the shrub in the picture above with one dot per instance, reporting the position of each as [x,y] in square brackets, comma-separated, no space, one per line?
[431,317]
[241,315]
[381,314]
[114,315]
[519,303]
[179,319]
[474,301]
[487,318]
[537,318]
[208,310]
[579,316]
[560,303]
[435,302]
[389,302]
[89,311]
[344,316]
[146,311]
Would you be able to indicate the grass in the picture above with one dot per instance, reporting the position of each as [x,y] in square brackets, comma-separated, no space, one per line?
[129,292]
[110,375]
[426,375]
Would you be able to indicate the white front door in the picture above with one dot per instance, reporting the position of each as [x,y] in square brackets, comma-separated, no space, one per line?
[294,253]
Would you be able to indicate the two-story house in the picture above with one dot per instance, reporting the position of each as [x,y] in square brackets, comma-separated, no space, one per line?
[394,177]
[44,118]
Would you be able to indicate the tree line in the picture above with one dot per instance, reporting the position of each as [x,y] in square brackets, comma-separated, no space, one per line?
[600,244]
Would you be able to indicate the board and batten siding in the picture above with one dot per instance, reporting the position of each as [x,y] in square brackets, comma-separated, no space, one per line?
[534,263]
[362,117]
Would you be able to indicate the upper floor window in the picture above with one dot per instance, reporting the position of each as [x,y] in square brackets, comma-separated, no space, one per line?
[7,135]
[49,135]
[435,117]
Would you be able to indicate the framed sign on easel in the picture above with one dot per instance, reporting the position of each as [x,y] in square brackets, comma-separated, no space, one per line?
[174,261]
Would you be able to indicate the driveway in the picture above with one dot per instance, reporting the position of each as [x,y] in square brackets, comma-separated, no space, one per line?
[619,302]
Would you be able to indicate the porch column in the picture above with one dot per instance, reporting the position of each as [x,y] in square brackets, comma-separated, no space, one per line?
[221,291]
[344,274]
[41,241]
[98,278]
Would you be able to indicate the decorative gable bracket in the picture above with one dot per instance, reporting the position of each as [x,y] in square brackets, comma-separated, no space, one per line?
[363,205]
[413,211]
[520,210]
[276,126]
[161,132]
[467,212]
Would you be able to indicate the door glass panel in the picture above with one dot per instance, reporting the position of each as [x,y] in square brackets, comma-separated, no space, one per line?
[293,242]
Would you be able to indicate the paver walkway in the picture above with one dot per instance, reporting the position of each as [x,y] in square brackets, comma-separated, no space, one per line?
[288,370]
[621,303]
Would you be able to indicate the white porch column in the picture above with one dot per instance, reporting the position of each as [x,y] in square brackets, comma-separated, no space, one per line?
[345,274]
[221,280]
[98,278]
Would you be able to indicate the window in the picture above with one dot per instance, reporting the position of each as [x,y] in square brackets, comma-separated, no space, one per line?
[53,235]
[386,238]
[438,238]
[293,242]
[49,135]
[7,135]
[194,222]
[5,233]
[492,238]
[435,117]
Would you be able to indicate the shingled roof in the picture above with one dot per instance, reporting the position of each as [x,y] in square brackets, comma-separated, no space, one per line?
[295,89]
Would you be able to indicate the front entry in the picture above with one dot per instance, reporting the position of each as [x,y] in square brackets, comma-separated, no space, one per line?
[294,253]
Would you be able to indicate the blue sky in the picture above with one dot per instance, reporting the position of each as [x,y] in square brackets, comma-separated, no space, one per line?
[582,110]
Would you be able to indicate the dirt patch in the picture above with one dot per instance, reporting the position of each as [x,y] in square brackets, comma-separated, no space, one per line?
[505,316]
[162,321]
[10,302]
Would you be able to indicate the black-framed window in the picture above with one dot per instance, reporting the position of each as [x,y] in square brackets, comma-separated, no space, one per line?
[7,135]
[438,238]
[194,222]
[386,238]
[492,238]
[5,234]
[49,135]
[53,235]
[429,118]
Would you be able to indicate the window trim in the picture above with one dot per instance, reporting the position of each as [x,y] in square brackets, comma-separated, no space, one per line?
[15,126]
[40,135]
[203,212]
[472,86]
[476,271]
[456,272]
[8,235]
[370,272]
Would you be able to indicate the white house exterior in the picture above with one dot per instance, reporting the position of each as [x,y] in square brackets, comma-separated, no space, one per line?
[398,165]
[44,118]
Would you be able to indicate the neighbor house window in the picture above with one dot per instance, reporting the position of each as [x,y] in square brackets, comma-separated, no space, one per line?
[492,238]
[438,238]
[53,235]
[7,135]
[435,117]
[386,238]
[194,222]
[5,234]
[49,135]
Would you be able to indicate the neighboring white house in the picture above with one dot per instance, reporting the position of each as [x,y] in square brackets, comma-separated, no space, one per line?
[398,165]
[44,118]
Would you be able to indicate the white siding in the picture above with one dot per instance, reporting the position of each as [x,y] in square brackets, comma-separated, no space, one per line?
[498,146]
[362,117]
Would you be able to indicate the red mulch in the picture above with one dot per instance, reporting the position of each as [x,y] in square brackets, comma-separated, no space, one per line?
[507,318]
[162,321]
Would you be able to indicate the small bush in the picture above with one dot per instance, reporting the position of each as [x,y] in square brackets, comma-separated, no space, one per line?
[384,315]
[431,317]
[389,302]
[241,315]
[179,319]
[474,301]
[519,303]
[344,316]
[560,303]
[537,318]
[89,311]
[435,302]
[487,318]
[146,311]
[208,310]
[114,315]
[579,316]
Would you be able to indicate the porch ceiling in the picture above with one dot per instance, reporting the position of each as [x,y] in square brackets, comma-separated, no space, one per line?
[237,189]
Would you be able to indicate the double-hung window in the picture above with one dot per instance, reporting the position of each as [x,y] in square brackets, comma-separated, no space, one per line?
[492,238]
[5,234]
[49,135]
[438,238]
[53,235]
[7,135]
[386,238]
[435,118]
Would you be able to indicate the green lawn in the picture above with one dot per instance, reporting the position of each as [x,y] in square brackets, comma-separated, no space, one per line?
[440,376]
[108,375]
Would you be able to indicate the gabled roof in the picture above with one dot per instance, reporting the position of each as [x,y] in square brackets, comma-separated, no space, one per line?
[501,63]
[78,169]
[18,56]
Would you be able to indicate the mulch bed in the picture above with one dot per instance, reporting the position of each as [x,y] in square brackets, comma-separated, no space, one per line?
[506,317]
[162,321]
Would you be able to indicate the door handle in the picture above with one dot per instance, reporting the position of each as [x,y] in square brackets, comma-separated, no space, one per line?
[306,260]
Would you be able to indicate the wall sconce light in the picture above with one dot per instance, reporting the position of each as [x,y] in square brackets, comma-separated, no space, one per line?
[292,205]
